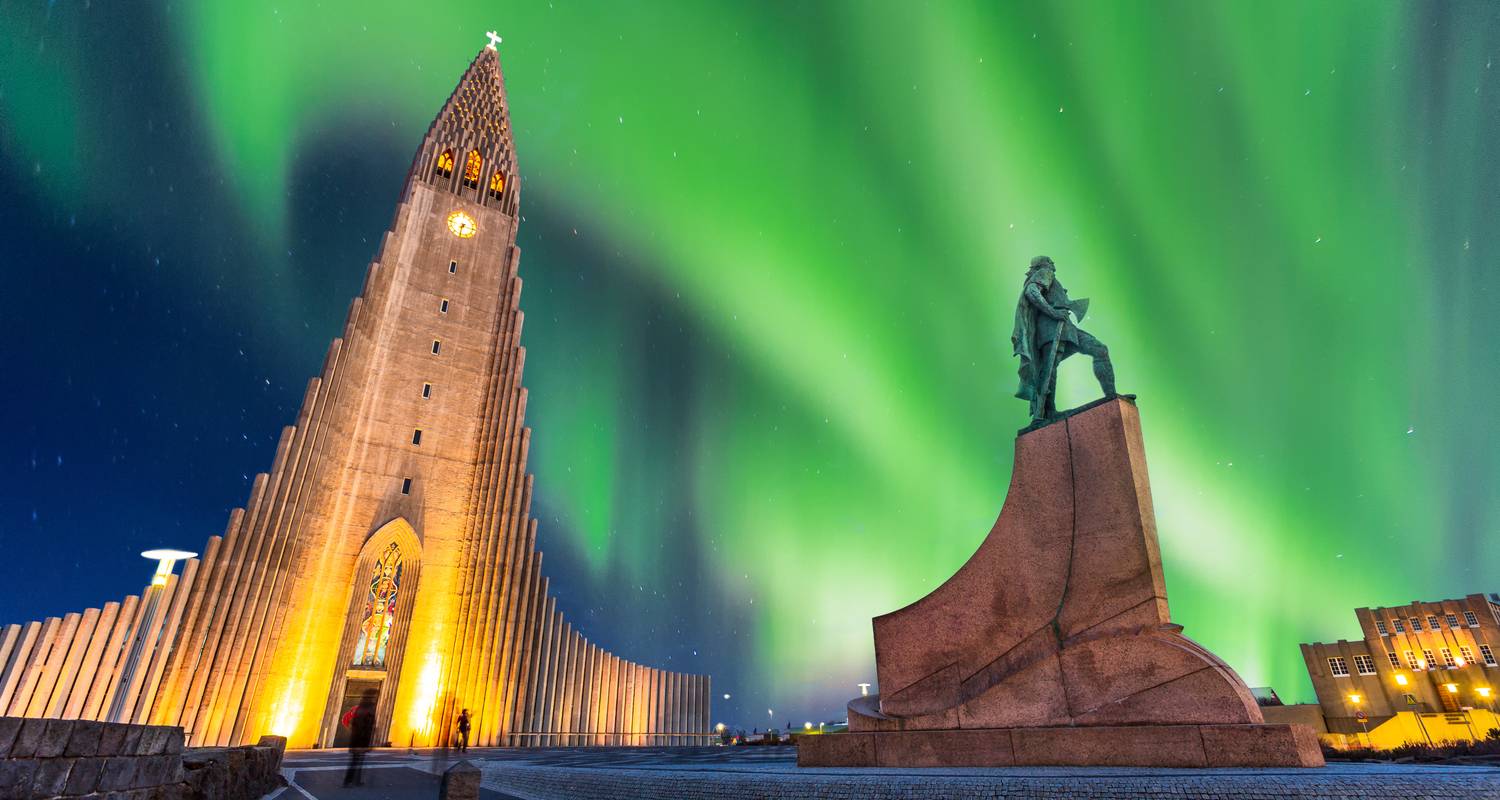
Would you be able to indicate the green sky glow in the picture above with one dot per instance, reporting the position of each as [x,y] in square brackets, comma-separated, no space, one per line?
[1282,212]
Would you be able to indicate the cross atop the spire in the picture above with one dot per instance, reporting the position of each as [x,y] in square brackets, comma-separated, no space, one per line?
[494,39]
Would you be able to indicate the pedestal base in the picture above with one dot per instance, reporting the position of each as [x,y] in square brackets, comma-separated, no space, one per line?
[1265,745]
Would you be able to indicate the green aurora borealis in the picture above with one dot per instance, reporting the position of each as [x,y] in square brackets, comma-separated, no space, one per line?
[771,256]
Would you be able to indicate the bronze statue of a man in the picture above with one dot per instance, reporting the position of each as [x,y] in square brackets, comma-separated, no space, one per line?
[1044,335]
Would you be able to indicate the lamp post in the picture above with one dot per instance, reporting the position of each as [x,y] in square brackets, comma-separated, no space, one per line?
[1359,714]
[127,684]
[1453,690]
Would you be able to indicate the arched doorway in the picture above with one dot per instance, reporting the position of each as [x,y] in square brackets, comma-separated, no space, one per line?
[375,627]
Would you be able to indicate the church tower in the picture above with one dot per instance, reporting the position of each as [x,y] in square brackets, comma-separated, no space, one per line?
[390,549]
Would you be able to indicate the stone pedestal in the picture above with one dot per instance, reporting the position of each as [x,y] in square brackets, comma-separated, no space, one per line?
[1053,644]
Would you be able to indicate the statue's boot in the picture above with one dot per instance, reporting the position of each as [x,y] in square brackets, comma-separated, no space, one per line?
[1104,370]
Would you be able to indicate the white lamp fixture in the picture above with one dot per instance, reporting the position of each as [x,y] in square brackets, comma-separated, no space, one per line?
[165,558]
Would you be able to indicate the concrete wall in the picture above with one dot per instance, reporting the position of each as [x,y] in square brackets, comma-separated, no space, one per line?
[1309,714]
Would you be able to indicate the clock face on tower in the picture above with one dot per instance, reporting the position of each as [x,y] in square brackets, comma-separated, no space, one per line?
[462,225]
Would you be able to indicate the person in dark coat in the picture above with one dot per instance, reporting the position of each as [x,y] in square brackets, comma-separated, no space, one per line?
[361,733]
[463,730]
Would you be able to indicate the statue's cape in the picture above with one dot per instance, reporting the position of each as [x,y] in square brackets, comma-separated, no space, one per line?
[1034,330]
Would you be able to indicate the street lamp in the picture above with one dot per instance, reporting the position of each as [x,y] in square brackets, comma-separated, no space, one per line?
[129,673]
[165,558]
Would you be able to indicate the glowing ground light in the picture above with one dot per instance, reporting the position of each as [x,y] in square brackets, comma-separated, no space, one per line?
[462,225]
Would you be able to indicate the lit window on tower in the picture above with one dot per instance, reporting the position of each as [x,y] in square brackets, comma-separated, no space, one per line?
[380,610]
[444,165]
[497,185]
[472,165]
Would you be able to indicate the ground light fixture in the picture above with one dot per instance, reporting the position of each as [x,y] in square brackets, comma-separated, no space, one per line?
[1451,687]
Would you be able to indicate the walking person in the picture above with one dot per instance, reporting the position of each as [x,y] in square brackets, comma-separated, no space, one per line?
[463,731]
[361,732]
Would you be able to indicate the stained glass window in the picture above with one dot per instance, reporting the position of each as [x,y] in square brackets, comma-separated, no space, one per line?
[497,185]
[380,610]
[444,166]
[472,165]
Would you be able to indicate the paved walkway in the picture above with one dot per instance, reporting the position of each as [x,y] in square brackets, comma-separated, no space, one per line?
[393,774]
[771,773]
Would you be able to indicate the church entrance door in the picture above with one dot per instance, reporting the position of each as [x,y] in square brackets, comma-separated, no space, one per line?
[354,690]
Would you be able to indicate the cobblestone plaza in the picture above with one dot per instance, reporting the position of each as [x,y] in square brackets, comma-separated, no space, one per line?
[770,773]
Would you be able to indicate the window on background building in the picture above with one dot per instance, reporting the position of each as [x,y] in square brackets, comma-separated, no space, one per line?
[1416,624]
[1432,622]
[1338,667]
[1411,660]
[1448,658]
[437,346]
[1364,664]
[1395,660]
[1466,654]
[406,485]
[452,267]
[1431,663]
[1452,620]
[443,306]
[1380,626]
[1398,625]
[1489,657]
[497,185]
[1470,618]
[426,391]
[472,165]
[416,436]
[444,164]
[380,610]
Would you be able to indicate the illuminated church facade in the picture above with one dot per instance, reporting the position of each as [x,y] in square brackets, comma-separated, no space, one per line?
[391,547]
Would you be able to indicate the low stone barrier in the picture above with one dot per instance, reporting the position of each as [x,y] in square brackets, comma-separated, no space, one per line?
[47,759]
[233,773]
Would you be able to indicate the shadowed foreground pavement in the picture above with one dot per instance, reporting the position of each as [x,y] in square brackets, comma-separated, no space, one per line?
[771,773]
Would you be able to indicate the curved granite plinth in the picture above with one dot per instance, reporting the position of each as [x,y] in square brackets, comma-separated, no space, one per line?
[1059,623]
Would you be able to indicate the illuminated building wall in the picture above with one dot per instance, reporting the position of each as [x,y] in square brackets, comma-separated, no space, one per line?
[1435,665]
[391,547]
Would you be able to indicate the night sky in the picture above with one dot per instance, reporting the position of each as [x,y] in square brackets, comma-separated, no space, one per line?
[771,254]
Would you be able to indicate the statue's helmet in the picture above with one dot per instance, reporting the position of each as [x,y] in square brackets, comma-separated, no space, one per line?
[1042,261]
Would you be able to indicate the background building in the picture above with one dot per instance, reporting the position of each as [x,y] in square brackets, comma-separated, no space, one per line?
[391,547]
[1423,671]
